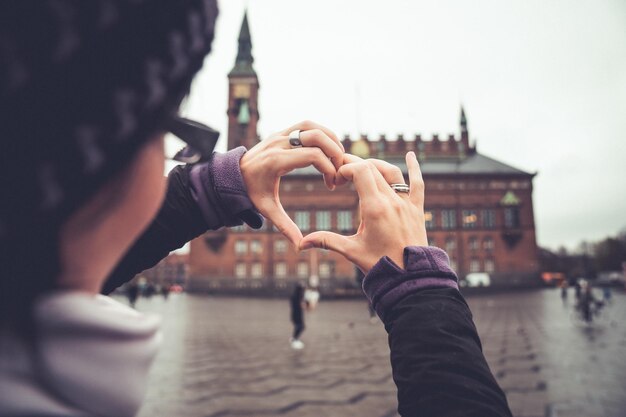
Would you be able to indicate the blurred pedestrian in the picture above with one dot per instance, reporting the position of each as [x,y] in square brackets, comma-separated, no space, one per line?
[165,291]
[311,297]
[132,293]
[297,305]
[606,293]
[563,285]
[578,288]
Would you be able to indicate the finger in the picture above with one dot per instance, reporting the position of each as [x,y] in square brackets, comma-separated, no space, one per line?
[382,184]
[361,175]
[347,159]
[391,173]
[317,138]
[327,240]
[309,125]
[291,159]
[274,211]
[416,181]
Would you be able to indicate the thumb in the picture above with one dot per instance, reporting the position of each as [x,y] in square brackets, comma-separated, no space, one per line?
[326,240]
[274,211]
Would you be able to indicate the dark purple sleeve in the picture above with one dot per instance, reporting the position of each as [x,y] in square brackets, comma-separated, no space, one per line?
[206,196]
[436,354]
[218,188]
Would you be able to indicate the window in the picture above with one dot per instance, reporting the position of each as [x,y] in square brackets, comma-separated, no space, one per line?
[256,271]
[489,218]
[429,217]
[475,265]
[241,247]
[450,244]
[432,241]
[448,219]
[470,219]
[280,270]
[511,217]
[280,246]
[344,220]
[473,243]
[302,270]
[255,246]
[327,269]
[489,265]
[240,270]
[488,244]
[322,220]
[303,220]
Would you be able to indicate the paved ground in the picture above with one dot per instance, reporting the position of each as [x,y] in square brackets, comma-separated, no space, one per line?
[230,357]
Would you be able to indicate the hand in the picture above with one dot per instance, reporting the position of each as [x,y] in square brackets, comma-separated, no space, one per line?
[390,221]
[264,164]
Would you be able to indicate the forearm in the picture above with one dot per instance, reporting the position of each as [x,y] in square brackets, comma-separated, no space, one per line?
[436,355]
[199,198]
[437,361]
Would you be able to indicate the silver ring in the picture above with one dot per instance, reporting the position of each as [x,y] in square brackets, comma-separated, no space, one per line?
[294,139]
[400,188]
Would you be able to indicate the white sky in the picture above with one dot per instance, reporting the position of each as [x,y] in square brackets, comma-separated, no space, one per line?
[543,83]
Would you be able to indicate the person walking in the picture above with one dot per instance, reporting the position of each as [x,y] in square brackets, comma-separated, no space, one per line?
[296,304]
[563,286]
[132,293]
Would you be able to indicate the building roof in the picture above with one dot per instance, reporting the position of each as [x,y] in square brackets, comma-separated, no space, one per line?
[474,164]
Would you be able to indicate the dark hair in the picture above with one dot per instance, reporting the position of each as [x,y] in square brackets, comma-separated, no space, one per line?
[83,86]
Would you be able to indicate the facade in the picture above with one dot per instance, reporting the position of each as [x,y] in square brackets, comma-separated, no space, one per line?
[478,209]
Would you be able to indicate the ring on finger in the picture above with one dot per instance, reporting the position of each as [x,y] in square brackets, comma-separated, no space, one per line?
[294,139]
[400,188]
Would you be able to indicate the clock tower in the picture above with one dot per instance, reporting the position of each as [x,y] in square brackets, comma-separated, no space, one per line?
[243,89]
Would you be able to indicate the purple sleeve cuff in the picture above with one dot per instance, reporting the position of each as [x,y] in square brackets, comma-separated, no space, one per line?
[218,188]
[426,267]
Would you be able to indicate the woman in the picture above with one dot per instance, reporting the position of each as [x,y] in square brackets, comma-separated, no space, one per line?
[87,91]
[296,304]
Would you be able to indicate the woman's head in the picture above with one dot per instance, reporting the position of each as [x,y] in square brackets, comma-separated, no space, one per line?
[85,89]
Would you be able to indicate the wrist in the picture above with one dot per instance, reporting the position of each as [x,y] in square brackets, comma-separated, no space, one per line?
[424,267]
[221,192]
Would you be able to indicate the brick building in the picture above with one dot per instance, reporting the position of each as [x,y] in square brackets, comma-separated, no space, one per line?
[478,209]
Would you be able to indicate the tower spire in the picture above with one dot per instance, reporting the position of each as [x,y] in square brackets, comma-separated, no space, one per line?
[464,146]
[243,91]
[463,120]
[244,60]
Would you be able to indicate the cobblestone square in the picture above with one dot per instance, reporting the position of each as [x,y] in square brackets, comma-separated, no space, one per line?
[231,357]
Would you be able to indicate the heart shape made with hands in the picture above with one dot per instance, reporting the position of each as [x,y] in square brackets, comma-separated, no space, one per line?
[382,210]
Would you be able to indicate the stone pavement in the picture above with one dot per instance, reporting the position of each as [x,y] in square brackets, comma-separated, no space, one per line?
[231,357]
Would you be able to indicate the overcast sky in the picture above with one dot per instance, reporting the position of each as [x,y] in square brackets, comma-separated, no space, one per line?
[543,83]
